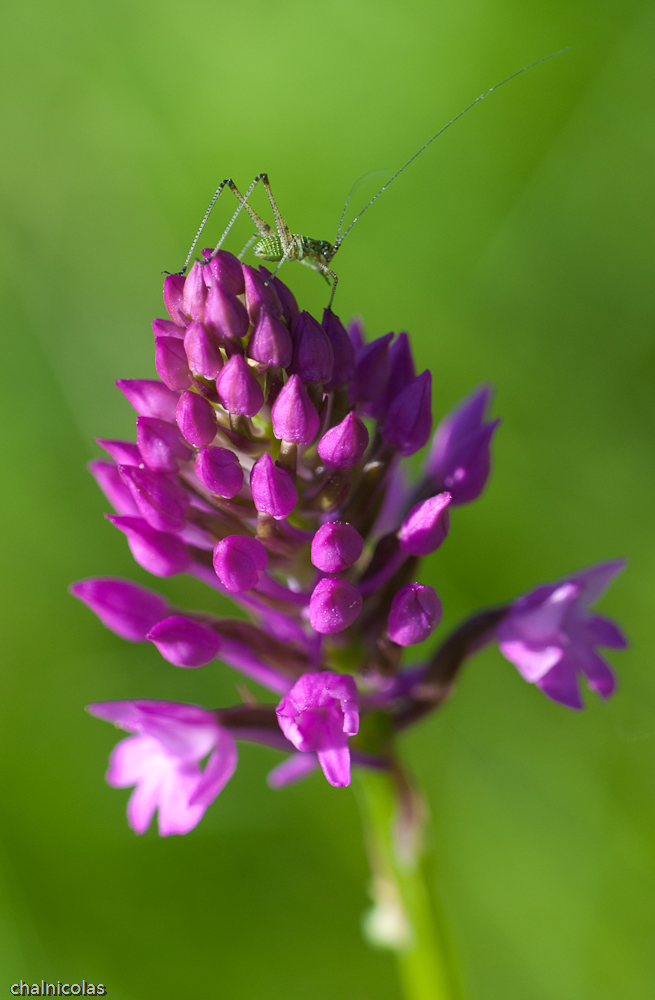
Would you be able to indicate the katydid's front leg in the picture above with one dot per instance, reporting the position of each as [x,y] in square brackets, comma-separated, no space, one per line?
[263,228]
[315,269]
[204,223]
[325,271]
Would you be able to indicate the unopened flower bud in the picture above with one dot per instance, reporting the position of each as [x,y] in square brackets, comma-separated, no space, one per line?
[149,397]
[273,491]
[409,419]
[355,331]
[160,444]
[336,546]
[219,470]
[184,642]
[110,482]
[238,389]
[403,372]
[415,612]
[312,352]
[459,458]
[287,299]
[334,605]
[270,342]
[226,270]
[259,295]
[171,363]
[344,445]
[372,370]
[166,328]
[202,351]
[161,501]
[159,552]
[194,294]
[122,606]
[173,298]
[196,419]
[294,415]
[343,368]
[239,562]
[122,452]
[225,316]
[426,526]
[207,276]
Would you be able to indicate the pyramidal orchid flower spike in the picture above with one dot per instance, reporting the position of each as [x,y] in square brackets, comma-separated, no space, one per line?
[268,464]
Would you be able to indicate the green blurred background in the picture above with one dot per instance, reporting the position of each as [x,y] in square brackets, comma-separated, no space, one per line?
[519,250]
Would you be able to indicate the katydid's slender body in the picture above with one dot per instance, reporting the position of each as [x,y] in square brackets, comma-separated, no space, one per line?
[280,245]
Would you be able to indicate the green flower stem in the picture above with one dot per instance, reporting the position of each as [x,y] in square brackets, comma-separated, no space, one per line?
[403,916]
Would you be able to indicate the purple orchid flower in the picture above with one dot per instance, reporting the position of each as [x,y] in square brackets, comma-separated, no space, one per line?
[551,638]
[459,459]
[163,761]
[318,714]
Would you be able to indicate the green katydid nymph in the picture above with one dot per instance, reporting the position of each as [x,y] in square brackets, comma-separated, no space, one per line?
[280,245]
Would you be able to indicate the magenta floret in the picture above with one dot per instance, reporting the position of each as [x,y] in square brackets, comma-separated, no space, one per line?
[318,714]
[551,638]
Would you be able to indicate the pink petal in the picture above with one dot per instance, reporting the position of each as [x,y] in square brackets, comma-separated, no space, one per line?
[336,766]
[176,815]
[531,663]
[561,685]
[294,768]
[543,623]
[603,632]
[219,769]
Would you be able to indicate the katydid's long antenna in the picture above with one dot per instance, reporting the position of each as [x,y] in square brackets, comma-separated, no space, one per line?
[339,240]
[358,183]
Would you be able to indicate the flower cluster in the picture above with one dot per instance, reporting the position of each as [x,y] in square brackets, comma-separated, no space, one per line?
[267,463]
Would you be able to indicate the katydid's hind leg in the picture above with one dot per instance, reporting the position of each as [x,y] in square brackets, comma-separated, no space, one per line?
[263,227]
[204,223]
[282,228]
